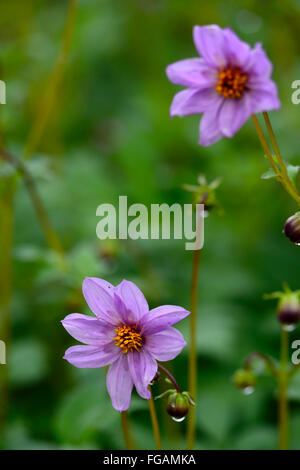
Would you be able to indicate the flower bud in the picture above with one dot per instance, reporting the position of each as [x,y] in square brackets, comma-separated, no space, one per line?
[178,406]
[292,228]
[288,313]
[245,380]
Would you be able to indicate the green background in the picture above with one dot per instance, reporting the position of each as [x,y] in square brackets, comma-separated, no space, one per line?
[109,134]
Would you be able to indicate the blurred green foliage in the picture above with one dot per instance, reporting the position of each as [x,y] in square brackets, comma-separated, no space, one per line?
[110,135]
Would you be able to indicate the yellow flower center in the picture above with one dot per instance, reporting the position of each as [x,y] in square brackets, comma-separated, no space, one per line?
[128,338]
[231,82]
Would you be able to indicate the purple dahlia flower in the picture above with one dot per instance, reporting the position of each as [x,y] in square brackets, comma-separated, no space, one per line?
[126,335]
[227,84]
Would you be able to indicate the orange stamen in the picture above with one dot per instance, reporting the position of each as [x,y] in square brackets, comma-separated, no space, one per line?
[231,82]
[128,338]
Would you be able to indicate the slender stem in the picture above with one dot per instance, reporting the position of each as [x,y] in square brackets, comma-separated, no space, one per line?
[283,412]
[281,163]
[49,232]
[154,421]
[265,147]
[126,431]
[267,360]
[7,216]
[170,377]
[191,424]
[279,176]
[51,90]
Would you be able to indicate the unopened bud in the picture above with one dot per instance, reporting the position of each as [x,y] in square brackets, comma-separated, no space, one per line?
[292,228]
[288,313]
[245,380]
[178,406]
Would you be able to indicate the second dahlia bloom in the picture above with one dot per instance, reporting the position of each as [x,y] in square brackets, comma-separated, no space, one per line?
[227,84]
[126,335]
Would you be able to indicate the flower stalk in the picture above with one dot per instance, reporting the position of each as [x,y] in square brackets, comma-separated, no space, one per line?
[283,407]
[170,377]
[154,421]
[281,163]
[280,172]
[192,379]
[7,218]
[266,359]
[126,431]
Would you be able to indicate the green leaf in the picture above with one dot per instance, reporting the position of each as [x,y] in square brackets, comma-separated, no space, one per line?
[293,171]
[268,174]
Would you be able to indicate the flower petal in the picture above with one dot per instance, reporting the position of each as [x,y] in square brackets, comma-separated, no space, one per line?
[259,63]
[209,42]
[99,297]
[165,345]
[119,384]
[192,101]
[143,368]
[210,131]
[233,114]
[193,73]
[237,51]
[133,299]
[263,100]
[92,356]
[88,330]
[263,94]
[161,318]
[104,284]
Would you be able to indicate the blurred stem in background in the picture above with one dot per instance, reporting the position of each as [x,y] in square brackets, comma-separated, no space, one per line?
[50,97]
[192,379]
[263,357]
[126,431]
[278,166]
[51,236]
[7,202]
[154,421]
[282,391]
[7,199]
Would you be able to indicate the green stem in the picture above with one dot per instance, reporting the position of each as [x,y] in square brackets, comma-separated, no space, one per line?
[50,235]
[170,377]
[266,359]
[280,176]
[52,89]
[281,163]
[192,380]
[155,425]
[283,412]
[7,213]
[126,432]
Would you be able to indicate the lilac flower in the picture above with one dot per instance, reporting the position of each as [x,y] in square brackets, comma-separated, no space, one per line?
[227,84]
[126,335]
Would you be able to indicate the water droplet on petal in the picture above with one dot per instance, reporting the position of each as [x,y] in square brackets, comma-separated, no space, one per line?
[178,420]
[248,390]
